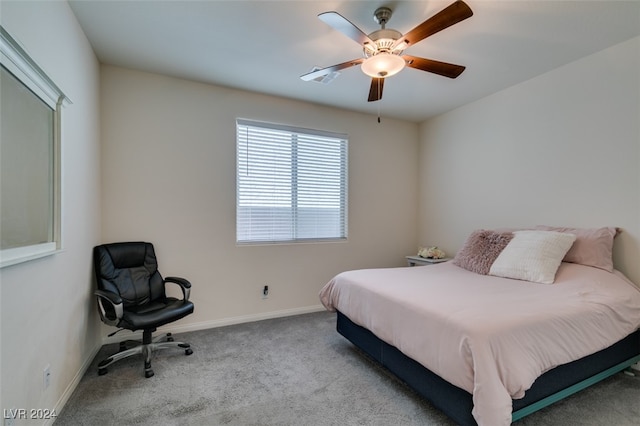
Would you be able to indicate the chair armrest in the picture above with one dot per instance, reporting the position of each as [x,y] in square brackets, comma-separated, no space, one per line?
[184,284]
[110,307]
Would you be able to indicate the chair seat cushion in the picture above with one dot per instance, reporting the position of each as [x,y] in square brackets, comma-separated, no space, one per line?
[155,314]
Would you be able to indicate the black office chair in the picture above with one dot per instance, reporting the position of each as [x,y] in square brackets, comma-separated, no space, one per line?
[131,295]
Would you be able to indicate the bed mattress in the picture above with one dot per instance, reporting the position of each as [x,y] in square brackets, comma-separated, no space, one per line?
[487,335]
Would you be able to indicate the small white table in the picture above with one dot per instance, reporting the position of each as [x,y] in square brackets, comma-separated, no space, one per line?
[422,261]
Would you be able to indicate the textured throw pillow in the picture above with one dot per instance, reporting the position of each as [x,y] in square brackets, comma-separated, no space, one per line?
[593,247]
[533,256]
[481,249]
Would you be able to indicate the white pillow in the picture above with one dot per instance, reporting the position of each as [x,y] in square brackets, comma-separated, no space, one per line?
[533,256]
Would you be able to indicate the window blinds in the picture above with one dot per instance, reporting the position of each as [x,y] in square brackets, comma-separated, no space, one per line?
[291,184]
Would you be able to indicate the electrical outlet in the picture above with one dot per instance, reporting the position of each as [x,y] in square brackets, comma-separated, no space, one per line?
[46,376]
[265,292]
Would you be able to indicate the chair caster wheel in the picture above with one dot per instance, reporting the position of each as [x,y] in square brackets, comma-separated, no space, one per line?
[102,371]
[188,351]
[148,373]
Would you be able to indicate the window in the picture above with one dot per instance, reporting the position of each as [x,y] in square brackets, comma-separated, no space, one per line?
[30,203]
[291,184]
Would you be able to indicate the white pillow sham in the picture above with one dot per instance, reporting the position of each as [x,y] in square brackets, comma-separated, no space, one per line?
[533,256]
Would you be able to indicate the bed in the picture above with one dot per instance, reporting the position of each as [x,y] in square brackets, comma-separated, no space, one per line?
[487,348]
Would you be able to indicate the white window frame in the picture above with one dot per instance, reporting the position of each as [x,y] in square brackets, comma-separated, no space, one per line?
[18,62]
[295,131]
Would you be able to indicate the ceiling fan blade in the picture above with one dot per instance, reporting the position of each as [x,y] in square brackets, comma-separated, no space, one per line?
[450,15]
[342,24]
[324,71]
[375,91]
[436,67]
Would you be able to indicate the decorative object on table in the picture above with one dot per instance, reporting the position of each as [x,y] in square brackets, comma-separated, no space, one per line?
[431,253]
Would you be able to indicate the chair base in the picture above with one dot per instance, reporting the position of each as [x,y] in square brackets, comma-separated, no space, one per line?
[146,348]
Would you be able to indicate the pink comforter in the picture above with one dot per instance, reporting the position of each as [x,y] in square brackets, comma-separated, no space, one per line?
[488,335]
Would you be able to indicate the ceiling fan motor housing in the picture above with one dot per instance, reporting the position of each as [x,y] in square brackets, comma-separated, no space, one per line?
[383,40]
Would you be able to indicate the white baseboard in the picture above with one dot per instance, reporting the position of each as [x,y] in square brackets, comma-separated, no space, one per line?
[73,384]
[175,328]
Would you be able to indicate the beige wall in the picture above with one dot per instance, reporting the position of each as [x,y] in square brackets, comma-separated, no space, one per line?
[47,313]
[168,176]
[560,149]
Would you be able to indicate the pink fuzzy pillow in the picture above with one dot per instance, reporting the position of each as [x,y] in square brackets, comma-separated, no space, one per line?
[481,249]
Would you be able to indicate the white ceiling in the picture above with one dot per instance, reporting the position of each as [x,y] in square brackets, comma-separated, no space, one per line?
[264,46]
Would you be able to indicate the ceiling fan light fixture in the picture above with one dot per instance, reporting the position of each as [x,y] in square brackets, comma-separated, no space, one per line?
[383,65]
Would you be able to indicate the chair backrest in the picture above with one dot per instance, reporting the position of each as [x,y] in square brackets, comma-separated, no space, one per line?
[130,270]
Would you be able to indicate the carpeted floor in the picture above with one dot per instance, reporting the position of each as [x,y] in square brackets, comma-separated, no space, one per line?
[291,371]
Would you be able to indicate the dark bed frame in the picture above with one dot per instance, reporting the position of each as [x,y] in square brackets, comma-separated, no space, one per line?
[457,403]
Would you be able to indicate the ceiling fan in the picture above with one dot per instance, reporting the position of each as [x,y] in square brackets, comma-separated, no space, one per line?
[383,49]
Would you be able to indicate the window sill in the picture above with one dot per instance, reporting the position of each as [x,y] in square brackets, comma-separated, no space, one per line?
[292,242]
[14,256]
